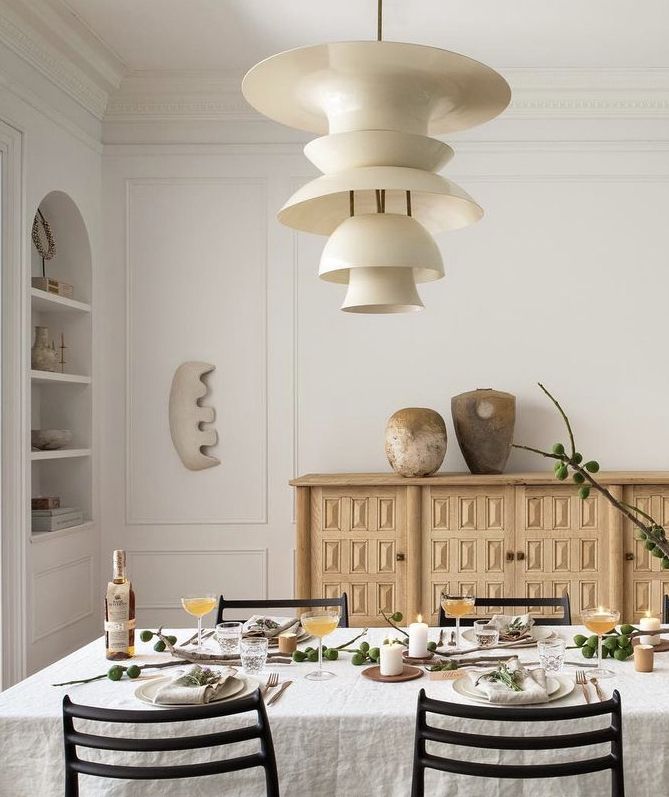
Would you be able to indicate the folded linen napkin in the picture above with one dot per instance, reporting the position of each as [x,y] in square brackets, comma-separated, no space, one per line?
[512,626]
[184,689]
[531,683]
[260,625]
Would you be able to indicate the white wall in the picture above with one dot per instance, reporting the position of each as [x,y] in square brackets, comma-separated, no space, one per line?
[564,281]
[61,600]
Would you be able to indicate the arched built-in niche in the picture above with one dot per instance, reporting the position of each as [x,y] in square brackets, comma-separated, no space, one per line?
[62,399]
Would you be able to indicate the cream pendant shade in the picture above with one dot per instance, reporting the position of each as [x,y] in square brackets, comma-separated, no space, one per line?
[375,85]
[382,290]
[321,205]
[342,151]
[380,240]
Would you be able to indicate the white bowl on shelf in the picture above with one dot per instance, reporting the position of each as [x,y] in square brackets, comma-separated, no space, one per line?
[50,439]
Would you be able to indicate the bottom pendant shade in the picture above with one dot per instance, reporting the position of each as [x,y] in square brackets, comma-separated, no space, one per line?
[381,290]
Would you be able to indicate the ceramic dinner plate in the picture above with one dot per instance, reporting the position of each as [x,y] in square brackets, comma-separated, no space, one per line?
[537,632]
[237,686]
[558,686]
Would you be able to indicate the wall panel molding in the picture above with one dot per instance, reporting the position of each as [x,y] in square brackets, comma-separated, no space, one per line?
[86,609]
[261,517]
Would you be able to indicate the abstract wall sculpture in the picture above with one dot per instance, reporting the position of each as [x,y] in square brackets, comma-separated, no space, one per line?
[187,416]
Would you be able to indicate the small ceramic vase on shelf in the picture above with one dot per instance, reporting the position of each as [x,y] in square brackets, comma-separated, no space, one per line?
[484,422]
[43,355]
[416,441]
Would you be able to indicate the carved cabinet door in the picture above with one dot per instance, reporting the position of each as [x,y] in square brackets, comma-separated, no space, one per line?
[645,582]
[562,544]
[358,546]
[468,533]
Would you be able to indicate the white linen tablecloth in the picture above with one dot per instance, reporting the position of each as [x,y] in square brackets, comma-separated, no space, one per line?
[345,736]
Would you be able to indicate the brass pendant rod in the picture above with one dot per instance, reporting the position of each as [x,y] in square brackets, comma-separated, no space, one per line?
[408,203]
[383,200]
[379,21]
[378,200]
[351,203]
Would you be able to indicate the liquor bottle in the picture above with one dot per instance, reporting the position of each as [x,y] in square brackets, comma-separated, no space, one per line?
[119,613]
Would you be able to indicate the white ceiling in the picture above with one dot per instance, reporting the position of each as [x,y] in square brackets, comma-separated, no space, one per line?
[231,35]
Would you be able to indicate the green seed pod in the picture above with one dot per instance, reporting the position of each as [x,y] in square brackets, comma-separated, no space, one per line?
[592,466]
[309,650]
[160,646]
[577,458]
[649,545]
[580,640]
[626,629]
[357,659]
[641,535]
[331,654]
[146,635]
[606,652]
[621,654]
[133,671]
[557,466]
[658,552]
[115,673]
[624,641]
[584,492]
[299,656]
[171,639]
[558,449]
[664,564]
[374,654]
[579,478]
[313,656]
[562,473]
[364,647]
[587,651]
[611,643]
[397,617]
[593,641]
[432,646]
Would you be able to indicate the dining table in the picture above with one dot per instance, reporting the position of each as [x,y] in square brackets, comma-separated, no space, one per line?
[345,736]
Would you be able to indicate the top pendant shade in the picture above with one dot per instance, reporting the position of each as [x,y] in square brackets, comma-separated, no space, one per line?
[375,85]
[323,204]
[341,151]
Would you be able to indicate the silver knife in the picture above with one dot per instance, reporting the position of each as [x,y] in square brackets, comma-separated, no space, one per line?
[279,692]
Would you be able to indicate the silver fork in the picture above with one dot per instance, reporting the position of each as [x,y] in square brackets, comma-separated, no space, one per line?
[272,680]
[582,681]
[451,641]
[279,692]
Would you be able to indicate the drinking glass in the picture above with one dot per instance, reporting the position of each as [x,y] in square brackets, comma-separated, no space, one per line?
[254,654]
[228,635]
[486,634]
[600,621]
[320,623]
[551,654]
[457,606]
[198,605]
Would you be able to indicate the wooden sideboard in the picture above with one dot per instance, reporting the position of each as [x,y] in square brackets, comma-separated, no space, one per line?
[393,543]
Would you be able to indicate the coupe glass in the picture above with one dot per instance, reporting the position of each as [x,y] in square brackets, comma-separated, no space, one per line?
[320,623]
[198,605]
[600,621]
[457,606]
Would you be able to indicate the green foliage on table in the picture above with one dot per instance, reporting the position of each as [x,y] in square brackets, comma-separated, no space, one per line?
[617,644]
[444,665]
[147,635]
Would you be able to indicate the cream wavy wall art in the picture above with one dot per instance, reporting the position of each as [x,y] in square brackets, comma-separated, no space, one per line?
[187,416]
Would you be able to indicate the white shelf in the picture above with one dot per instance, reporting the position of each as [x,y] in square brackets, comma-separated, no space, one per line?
[43,536]
[44,377]
[44,302]
[60,453]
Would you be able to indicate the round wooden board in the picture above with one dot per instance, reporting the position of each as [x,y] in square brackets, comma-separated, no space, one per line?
[407,674]
[663,647]
[413,660]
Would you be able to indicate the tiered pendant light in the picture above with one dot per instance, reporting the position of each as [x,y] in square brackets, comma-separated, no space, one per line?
[379,198]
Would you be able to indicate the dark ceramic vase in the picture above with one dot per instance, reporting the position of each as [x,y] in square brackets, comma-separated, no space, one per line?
[484,421]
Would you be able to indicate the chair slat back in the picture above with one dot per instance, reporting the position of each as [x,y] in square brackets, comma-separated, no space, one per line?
[522,603]
[522,739]
[75,739]
[289,603]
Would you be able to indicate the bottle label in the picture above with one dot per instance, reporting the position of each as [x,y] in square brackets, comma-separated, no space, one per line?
[118,623]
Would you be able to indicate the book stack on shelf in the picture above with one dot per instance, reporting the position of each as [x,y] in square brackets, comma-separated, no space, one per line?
[55,519]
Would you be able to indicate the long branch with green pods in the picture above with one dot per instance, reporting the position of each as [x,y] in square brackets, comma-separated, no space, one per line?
[582,473]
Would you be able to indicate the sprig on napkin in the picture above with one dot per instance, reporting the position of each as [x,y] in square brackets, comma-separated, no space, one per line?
[199,676]
[504,676]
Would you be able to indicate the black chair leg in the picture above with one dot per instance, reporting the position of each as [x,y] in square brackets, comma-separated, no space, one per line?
[71,783]
[272,782]
[418,781]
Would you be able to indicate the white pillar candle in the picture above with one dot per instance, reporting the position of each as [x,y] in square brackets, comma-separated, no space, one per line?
[391,659]
[418,639]
[649,624]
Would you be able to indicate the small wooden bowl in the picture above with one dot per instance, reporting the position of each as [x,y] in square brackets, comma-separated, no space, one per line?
[661,648]
[407,674]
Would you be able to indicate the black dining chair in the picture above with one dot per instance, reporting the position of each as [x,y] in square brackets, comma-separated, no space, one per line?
[665,610]
[292,603]
[75,766]
[524,603]
[521,739]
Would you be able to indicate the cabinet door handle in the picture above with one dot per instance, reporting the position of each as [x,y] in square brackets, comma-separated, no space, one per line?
[400,557]
[510,556]
[629,557]
[520,556]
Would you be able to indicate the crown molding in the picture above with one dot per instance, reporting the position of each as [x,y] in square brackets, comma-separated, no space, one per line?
[49,36]
[148,96]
